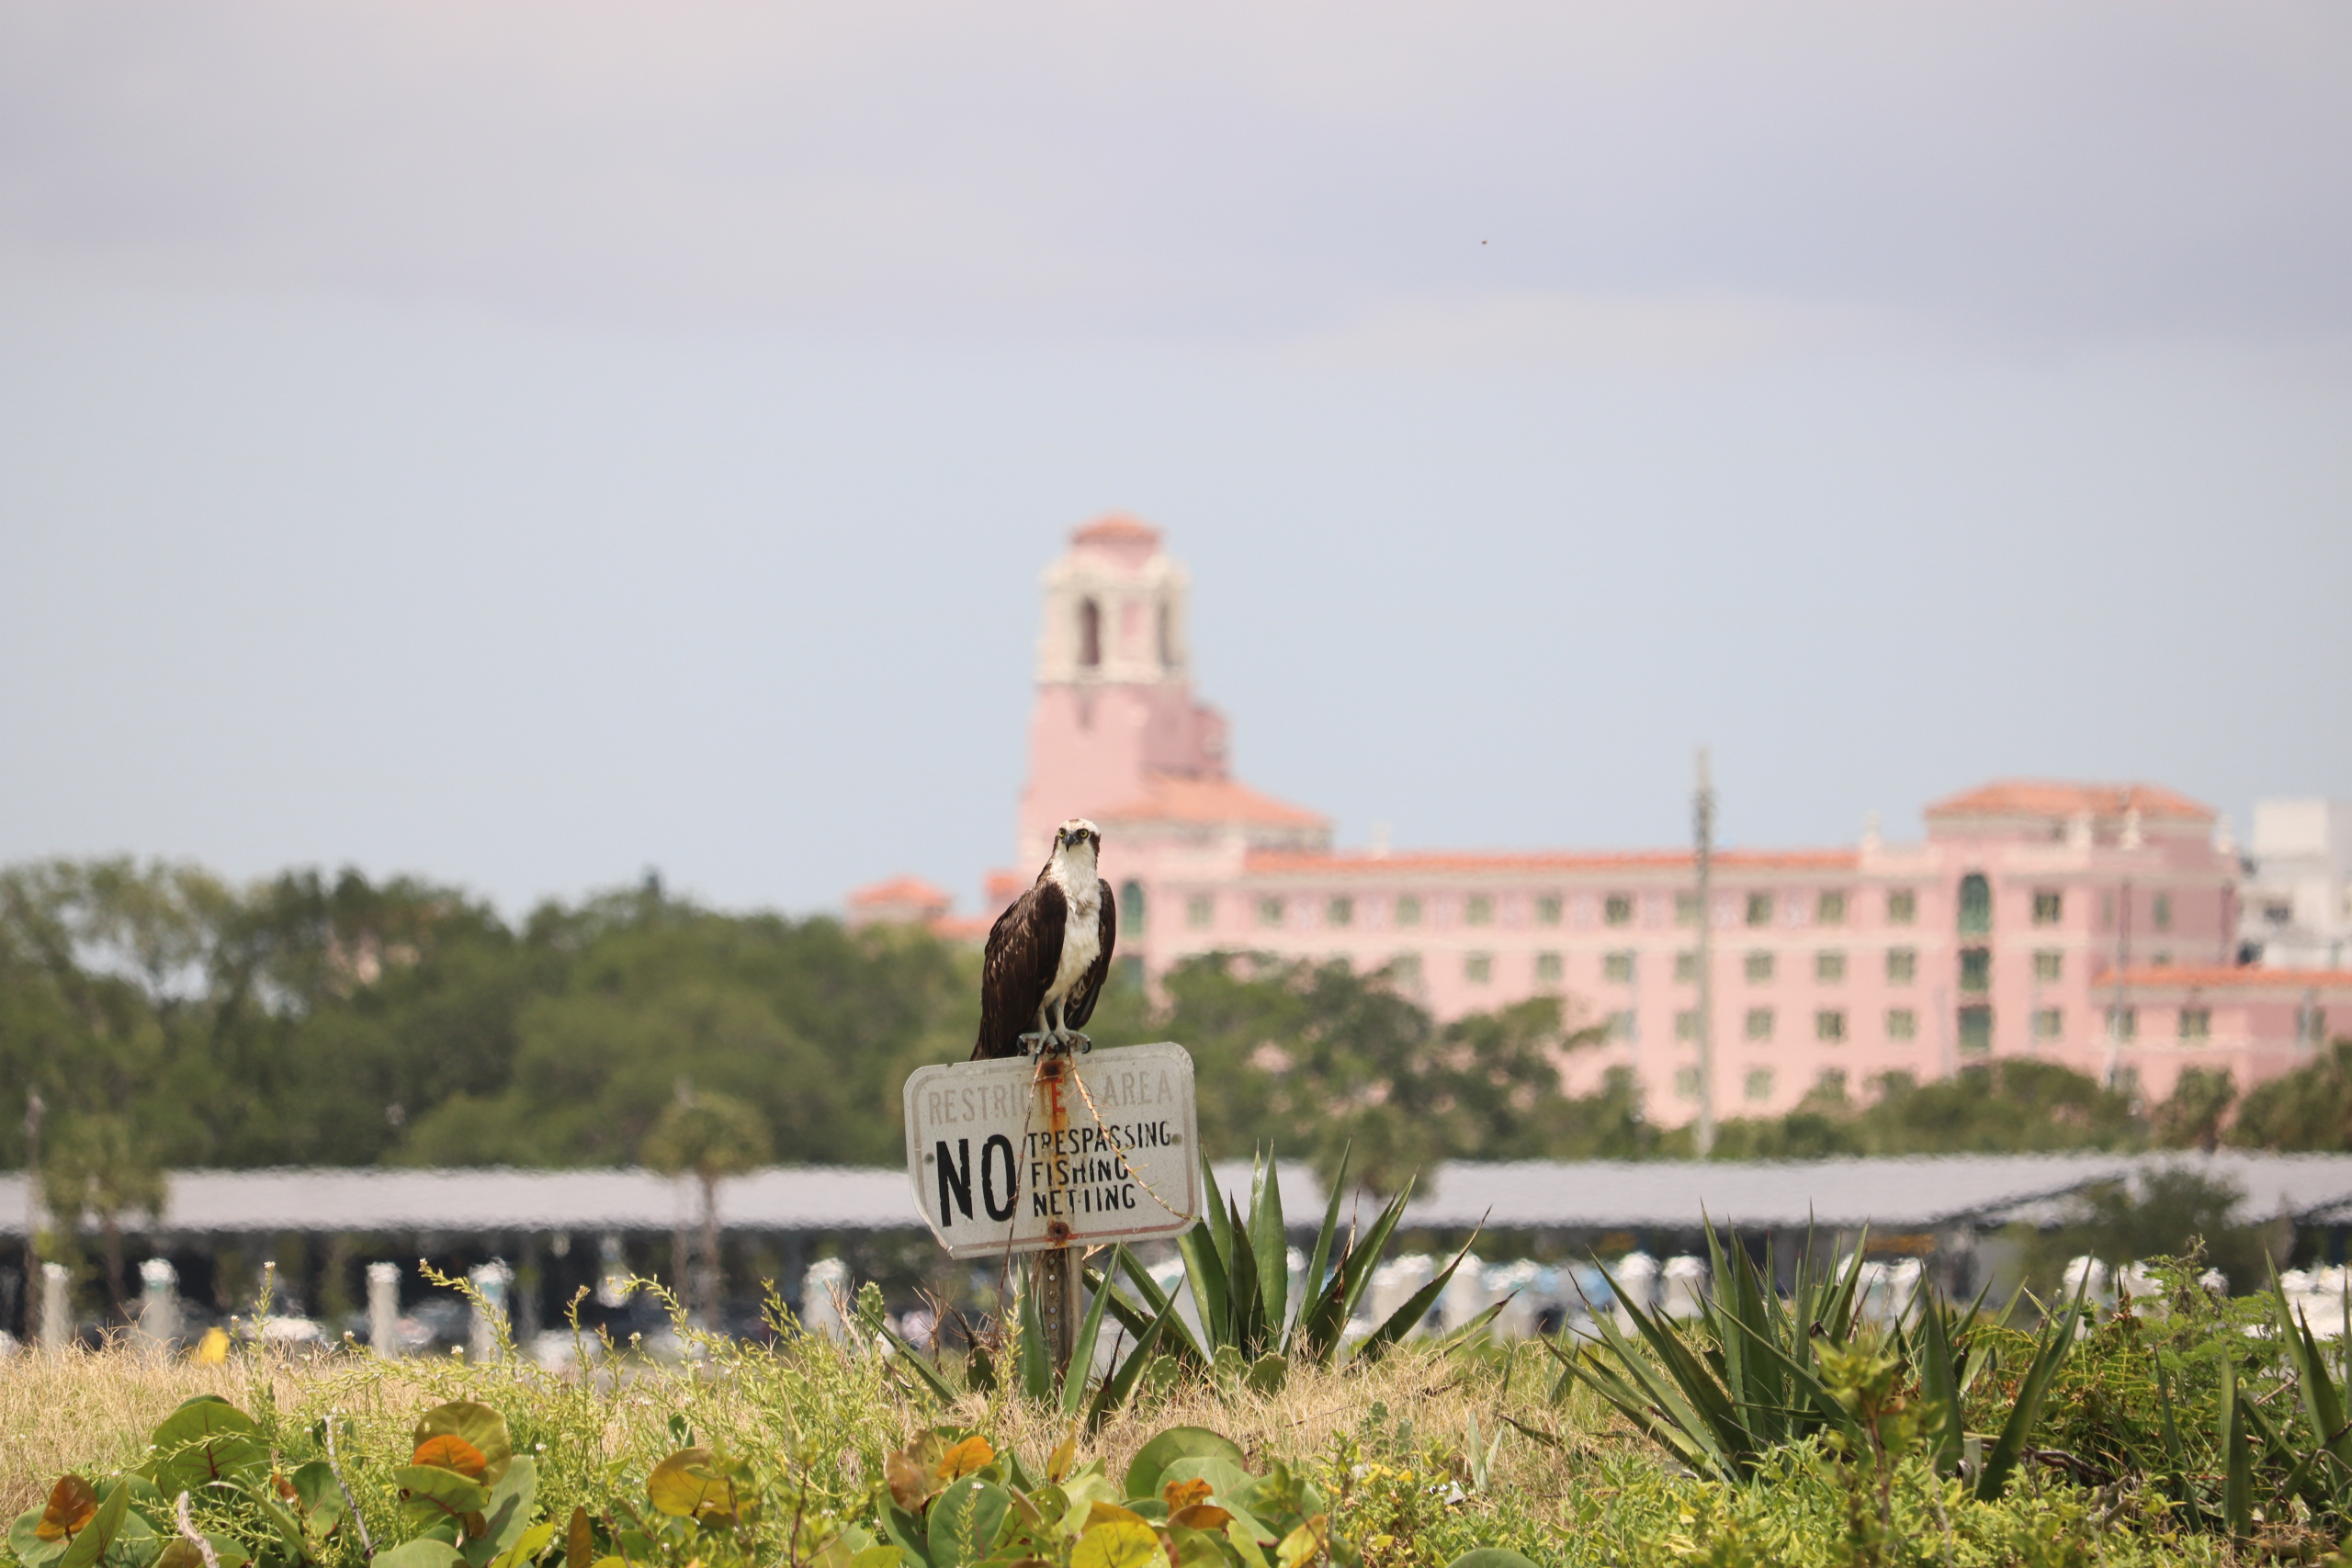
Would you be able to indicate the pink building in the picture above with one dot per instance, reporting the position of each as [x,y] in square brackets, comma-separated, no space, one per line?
[2087,924]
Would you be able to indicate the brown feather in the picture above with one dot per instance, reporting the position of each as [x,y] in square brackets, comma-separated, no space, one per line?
[1024,947]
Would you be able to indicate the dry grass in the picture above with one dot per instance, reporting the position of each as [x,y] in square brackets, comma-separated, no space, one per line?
[92,1408]
[92,1411]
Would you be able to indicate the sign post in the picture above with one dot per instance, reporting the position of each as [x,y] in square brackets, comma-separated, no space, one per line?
[1054,1155]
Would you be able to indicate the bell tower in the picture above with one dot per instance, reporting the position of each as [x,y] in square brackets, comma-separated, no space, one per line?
[1114,709]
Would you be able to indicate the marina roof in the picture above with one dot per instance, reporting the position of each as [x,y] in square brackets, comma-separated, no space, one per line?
[1846,1194]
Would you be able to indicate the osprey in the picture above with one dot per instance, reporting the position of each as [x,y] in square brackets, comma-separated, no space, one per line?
[1048,954]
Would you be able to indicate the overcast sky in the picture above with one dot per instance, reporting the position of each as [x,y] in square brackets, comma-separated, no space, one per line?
[524,445]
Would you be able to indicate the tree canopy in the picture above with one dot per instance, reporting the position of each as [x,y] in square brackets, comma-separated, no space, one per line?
[169,1018]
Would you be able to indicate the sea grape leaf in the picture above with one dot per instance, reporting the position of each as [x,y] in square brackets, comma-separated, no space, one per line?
[429,1492]
[73,1504]
[973,1453]
[479,1427]
[1306,1544]
[689,1485]
[1145,1475]
[451,1451]
[1118,1543]
[526,1547]
[422,1552]
[100,1533]
[205,1440]
[507,1515]
[963,1522]
[181,1552]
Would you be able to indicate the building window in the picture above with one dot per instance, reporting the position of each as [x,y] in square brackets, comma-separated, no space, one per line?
[2196,1023]
[1617,967]
[1478,968]
[1090,633]
[1830,1084]
[1829,1026]
[1686,1024]
[1758,1084]
[2048,963]
[1200,911]
[1976,969]
[2049,1023]
[2124,1025]
[2310,1025]
[1901,1024]
[1620,1025]
[1759,908]
[1480,911]
[1829,909]
[1409,910]
[1975,905]
[1686,969]
[1902,965]
[1685,908]
[1976,1030]
[1686,1082]
[1759,968]
[1548,910]
[1548,966]
[1829,968]
[2047,906]
[1759,1024]
[1617,911]
[1270,912]
[2160,959]
[1405,968]
[1340,912]
[1131,905]
[2164,911]
[1902,906]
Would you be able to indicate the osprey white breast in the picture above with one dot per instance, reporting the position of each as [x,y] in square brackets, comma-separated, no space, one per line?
[1072,869]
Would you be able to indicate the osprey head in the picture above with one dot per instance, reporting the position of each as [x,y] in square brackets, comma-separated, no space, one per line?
[1077,838]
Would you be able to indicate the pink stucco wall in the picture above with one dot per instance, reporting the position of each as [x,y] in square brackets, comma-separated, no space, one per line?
[1815,945]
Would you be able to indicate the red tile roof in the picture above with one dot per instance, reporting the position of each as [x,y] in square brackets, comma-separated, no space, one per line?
[2041,797]
[2219,977]
[1265,862]
[909,890]
[1213,801]
[1115,528]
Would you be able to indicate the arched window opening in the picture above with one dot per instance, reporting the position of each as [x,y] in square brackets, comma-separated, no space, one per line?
[1090,635]
[1167,639]
[1975,904]
[1131,905]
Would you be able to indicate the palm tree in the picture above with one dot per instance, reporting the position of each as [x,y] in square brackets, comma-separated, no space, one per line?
[710,1136]
[99,1165]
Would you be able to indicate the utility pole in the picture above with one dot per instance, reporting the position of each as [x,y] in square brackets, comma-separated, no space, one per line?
[34,1110]
[1702,814]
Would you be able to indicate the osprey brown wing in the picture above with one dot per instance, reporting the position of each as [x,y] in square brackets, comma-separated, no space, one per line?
[1088,988]
[1024,947]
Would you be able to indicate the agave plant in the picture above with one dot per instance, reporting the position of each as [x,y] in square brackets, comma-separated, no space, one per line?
[1723,1391]
[1236,1262]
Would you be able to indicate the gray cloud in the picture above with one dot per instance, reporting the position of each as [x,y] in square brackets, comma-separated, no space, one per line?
[2045,170]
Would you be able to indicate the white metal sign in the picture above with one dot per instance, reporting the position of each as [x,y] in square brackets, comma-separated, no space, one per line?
[1017,1155]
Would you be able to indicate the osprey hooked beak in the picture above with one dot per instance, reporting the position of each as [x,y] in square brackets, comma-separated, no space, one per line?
[1078,830]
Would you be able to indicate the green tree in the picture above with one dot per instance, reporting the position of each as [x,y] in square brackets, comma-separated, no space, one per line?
[709,1137]
[2307,1111]
[2193,1117]
[97,1164]
[2169,1212]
